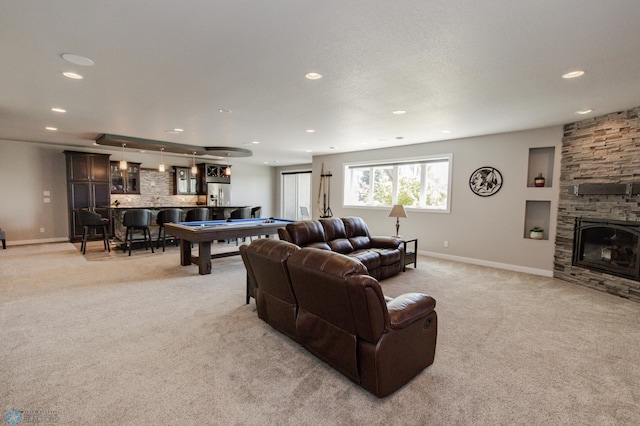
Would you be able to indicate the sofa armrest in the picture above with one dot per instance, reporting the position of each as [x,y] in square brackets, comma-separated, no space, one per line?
[385,242]
[408,308]
[284,235]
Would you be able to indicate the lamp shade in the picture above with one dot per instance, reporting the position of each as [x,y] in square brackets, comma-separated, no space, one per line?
[398,211]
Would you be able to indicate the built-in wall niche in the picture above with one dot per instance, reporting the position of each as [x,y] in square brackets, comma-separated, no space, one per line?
[541,161]
[537,213]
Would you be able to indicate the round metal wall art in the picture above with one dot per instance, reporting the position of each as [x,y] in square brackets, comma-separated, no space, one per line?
[485,181]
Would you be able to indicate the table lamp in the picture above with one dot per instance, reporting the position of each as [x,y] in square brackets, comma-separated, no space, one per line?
[398,211]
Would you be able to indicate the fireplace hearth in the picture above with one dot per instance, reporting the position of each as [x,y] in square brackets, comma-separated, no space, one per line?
[608,246]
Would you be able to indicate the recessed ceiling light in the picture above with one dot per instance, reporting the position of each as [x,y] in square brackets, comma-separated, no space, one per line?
[584,111]
[178,130]
[310,131]
[308,150]
[142,151]
[446,131]
[77,59]
[228,111]
[265,162]
[53,129]
[332,147]
[72,75]
[55,109]
[313,75]
[255,142]
[573,74]
[399,112]
[399,137]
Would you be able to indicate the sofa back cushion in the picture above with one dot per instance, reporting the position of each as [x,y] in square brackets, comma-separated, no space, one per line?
[336,235]
[306,233]
[337,305]
[266,263]
[357,232]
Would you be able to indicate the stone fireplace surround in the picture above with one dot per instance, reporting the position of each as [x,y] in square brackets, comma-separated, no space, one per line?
[601,150]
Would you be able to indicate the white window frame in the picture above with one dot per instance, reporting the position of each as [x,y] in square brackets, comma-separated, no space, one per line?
[399,162]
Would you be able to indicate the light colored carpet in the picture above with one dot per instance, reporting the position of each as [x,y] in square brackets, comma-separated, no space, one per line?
[111,339]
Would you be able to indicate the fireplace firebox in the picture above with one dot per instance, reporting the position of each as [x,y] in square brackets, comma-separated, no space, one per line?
[607,246]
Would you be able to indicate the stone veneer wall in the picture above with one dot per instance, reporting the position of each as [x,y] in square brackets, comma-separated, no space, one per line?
[156,189]
[603,149]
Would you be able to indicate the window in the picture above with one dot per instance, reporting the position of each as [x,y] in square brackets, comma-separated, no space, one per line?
[418,183]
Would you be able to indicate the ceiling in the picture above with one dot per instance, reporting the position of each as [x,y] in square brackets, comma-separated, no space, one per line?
[465,66]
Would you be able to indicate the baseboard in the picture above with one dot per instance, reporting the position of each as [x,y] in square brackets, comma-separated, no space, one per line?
[497,265]
[38,241]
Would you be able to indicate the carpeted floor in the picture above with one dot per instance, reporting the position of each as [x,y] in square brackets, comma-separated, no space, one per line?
[111,339]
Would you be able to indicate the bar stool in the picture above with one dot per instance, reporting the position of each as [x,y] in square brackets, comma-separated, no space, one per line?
[197,215]
[92,220]
[241,213]
[256,211]
[137,219]
[166,216]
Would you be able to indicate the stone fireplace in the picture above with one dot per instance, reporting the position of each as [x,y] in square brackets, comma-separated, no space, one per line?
[599,208]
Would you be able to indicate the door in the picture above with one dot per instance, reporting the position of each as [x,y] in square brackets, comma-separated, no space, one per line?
[296,195]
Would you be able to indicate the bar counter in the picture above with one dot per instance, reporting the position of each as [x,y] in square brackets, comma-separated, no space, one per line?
[117,214]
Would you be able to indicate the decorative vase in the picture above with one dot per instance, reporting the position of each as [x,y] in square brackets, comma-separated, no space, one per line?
[539,181]
[536,235]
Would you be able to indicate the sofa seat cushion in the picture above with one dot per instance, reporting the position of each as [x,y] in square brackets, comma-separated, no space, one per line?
[369,258]
[361,242]
[389,256]
[319,245]
[341,245]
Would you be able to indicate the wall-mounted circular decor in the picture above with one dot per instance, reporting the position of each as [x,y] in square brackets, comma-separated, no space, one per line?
[485,181]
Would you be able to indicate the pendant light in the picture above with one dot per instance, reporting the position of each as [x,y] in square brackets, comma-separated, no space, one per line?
[123,162]
[227,170]
[161,166]
[194,169]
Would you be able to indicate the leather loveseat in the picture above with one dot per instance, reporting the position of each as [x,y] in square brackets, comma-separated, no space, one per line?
[329,304]
[350,236]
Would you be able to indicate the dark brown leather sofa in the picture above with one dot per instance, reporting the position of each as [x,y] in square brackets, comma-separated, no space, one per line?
[327,302]
[350,236]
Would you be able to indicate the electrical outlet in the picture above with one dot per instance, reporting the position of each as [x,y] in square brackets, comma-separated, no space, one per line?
[41,229]
[446,243]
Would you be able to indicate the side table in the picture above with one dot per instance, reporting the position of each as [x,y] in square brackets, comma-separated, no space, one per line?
[410,253]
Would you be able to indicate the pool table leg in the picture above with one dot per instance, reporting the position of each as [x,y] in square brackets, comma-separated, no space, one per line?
[185,252]
[204,257]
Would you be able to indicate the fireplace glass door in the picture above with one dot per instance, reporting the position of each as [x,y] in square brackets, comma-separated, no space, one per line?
[607,246]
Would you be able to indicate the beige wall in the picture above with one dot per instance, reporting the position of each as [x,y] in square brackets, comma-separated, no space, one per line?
[26,171]
[29,169]
[484,230]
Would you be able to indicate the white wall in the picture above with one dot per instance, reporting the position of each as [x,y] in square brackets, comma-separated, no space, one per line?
[28,169]
[484,230]
[254,186]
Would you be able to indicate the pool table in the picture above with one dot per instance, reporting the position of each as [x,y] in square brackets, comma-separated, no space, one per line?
[204,233]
